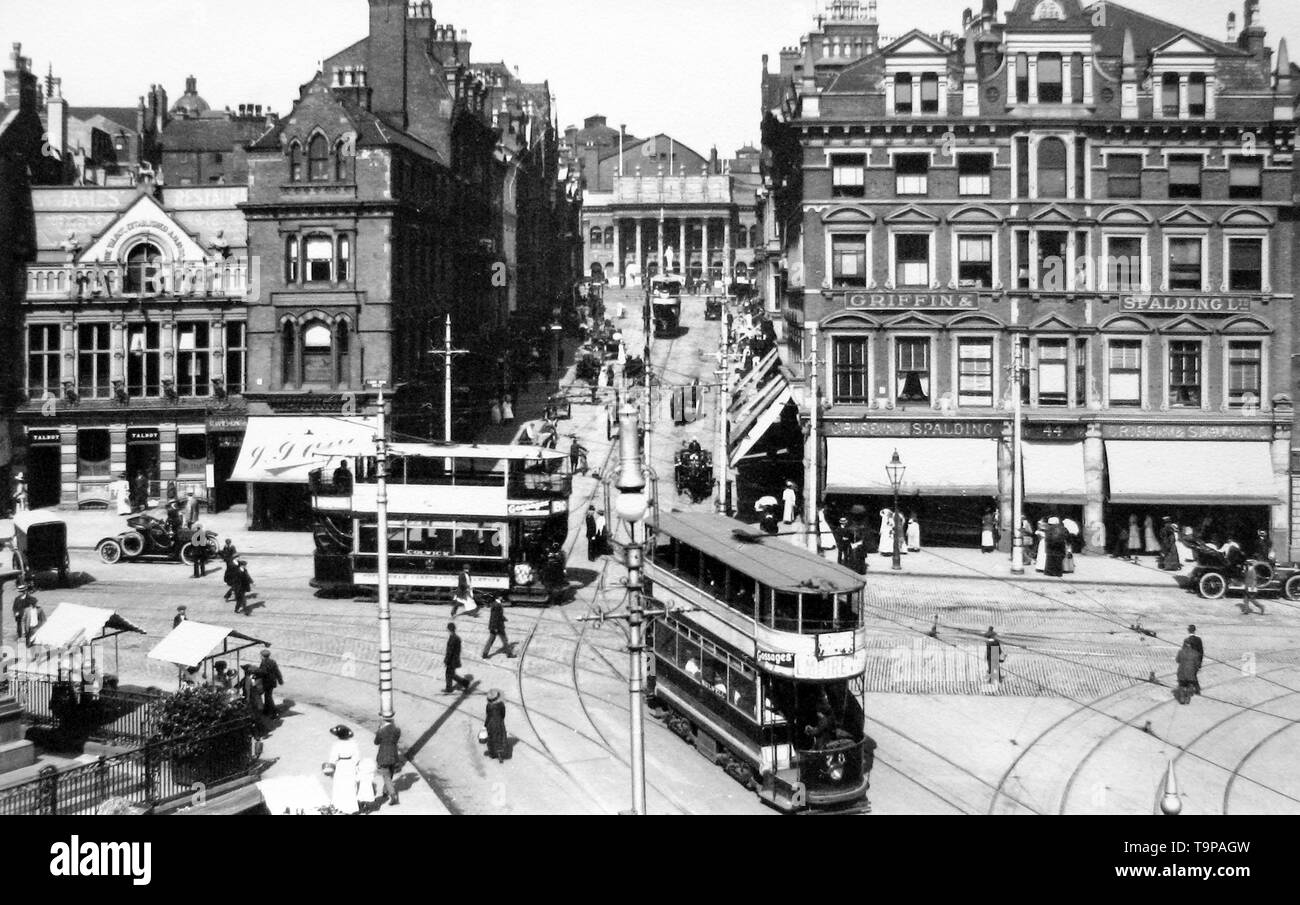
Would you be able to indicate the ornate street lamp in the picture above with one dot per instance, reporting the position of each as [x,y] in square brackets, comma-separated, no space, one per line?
[895,470]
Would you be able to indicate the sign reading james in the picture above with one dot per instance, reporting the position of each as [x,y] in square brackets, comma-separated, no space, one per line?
[915,301]
[990,429]
[1187,431]
[1157,304]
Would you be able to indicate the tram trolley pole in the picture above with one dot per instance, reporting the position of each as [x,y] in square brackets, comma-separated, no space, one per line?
[385,615]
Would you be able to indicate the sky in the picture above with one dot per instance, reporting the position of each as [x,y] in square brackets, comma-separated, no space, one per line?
[683,67]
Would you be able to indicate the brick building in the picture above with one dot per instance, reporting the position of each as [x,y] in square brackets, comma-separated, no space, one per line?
[1108,193]
[197,145]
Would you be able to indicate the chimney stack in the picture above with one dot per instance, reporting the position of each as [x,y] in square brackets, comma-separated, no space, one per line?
[1252,32]
[387,58]
[1232,28]
[1128,79]
[56,109]
[1283,91]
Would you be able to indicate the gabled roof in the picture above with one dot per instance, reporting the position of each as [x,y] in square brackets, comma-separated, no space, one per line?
[122,116]
[1148,32]
[210,134]
[1185,43]
[915,42]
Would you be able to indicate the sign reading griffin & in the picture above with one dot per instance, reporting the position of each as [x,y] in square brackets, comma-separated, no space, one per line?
[910,301]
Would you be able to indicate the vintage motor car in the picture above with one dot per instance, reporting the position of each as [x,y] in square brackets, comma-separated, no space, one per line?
[151,539]
[713,308]
[1214,576]
[693,470]
[40,545]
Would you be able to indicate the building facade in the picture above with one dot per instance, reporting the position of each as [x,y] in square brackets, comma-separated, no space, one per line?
[1102,196]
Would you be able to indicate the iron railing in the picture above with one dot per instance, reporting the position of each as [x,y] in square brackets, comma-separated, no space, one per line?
[114,716]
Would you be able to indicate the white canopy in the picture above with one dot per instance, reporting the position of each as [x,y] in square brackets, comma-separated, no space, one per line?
[1054,473]
[190,643]
[286,450]
[939,467]
[72,624]
[1204,472]
[293,795]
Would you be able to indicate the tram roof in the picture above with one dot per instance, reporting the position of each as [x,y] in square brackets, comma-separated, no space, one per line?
[771,561]
[516,452]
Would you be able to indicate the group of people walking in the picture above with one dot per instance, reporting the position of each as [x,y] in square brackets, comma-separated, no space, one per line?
[854,541]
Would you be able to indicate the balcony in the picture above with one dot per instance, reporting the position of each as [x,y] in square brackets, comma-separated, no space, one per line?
[104,282]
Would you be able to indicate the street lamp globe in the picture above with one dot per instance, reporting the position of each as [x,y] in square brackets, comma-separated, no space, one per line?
[895,470]
[631,506]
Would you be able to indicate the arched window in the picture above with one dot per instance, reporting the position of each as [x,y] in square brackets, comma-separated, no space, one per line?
[345,259]
[288,355]
[318,159]
[295,162]
[1051,168]
[340,164]
[343,371]
[317,353]
[143,270]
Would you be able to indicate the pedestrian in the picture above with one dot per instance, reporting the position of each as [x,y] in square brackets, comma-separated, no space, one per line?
[179,617]
[993,655]
[1250,587]
[1195,641]
[1027,541]
[593,550]
[495,725]
[577,456]
[228,553]
[913,534]
[1150,543]
[141,488]
[243,583]
[342,764]
[388,759]
[1169,559]
[199,550]
[495,410]
[222,677]
[497,629]
[250,689]
[342,479]
[21,600]
[33,619]
[602,532]
[268,671]
[1189,664]
[231,574]
[1056,541]
[988,523]
[464,599]
[1040,548]
[843,541]
[886,547]
[191,509]
[120,490]
[1134,537]
[451,661]
[507,409]
[789,500]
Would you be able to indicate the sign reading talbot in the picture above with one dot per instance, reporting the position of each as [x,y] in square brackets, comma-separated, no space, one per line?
[1156,304]
[915,301]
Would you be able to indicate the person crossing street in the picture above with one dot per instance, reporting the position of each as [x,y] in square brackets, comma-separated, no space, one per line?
[451,662]
[497,629]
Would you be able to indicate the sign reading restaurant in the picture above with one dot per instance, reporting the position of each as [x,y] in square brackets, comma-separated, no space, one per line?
[912,301]
[1203,304]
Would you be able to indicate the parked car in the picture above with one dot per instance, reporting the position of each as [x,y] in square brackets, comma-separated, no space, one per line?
[1214,576]
[151,539]
[40,545]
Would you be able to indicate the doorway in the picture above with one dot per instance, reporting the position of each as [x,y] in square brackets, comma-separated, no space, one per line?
[225,453]
[143,456]
[44,476]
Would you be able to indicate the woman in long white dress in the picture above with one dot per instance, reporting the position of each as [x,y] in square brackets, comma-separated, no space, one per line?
[913,534]
[1150,543]
[344,757]
[1040,559]
[886,547]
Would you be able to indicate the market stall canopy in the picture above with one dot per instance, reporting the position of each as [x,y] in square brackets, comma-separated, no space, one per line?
[190,643]
[293,795]
[938,467]
[1054,473]
[287,450]
[72,624]
[1194,472]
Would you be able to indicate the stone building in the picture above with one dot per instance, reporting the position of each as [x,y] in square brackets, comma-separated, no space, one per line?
[1103,194]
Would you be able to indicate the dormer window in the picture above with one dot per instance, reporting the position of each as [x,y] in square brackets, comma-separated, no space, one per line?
[903,93]
[1196,94]
[1050,90]
[1169,94]
[318,159]
[929,92]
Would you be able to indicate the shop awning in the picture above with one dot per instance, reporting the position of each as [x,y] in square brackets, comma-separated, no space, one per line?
[190,643]
[287,450]
[1197,472]
[72,624]
[1054,473]
[939,467]
[766,419]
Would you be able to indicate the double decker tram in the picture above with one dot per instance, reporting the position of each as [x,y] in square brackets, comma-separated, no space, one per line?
[762,669]
[503,511]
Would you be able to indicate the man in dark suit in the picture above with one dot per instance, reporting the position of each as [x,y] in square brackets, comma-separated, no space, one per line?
[1194,641]
[497,629]
[199,547]
[179,617]
[451,660]
[268,671]
[592,534]
[388,759]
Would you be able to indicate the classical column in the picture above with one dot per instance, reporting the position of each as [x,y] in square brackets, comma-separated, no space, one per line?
[1067,83]
[1006,511]
[1094,508]
[726,252]
[660,234]
[618,248]
[1184,98]
[684,266]
[704,252]
[1087,79]
[1033,78]
[117,370]
[639,268]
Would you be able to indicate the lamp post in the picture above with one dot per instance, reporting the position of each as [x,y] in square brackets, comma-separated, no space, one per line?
[381,512]
[895,470]
[631,507]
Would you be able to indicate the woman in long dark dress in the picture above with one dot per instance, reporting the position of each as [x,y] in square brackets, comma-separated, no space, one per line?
[1057,542]
[1169,558]
[496,725]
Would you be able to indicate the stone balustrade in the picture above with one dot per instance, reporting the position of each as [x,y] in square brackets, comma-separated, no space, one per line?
[51,282]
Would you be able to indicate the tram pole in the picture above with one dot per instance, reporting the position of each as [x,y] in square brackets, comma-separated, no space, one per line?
[811,511]
[385,616]
[631,506]
[720,427]
[1017,472]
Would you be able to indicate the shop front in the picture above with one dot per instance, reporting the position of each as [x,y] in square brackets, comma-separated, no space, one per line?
[44,467]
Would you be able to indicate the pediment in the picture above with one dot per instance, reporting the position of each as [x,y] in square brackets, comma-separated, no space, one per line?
[1123,324]
[1186,216]
[144,220]
[1053,324]
[1053,212]
[911,214]
[974,213]
[1246,324]
[915,43]
[849,319]
[913,322]
[851,214]
[1183,44]
[975,322]
[1186,326]
[1245,216]
[1124,214]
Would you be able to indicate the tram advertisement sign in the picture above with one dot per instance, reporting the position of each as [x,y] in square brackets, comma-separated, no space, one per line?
[836,644]
[778,659]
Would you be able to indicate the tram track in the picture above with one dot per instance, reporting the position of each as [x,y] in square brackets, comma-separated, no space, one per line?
[1245,758]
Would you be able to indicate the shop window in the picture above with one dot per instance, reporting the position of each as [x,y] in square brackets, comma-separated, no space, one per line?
[1125,372]
[345,258]
[1185,374]
[44,361]
[1244,175]
[1051,168]
[975,372]
[94,355]
[903,93]
[1124,263]
[320,259]
[849,261]
[1186,265]
[974,174]
[191,455]
[1246,265]
[847,175]
[94,454]
[1053,254]
[1053,382]
[317,353]
[1169,94]
[912,173]
[1185,177]
[1022,167]
[144,360]
[1050,88]
[912,374]
[236,357]
[1124,176]
[929,92]
[850,381]
[1080,372]
[192,359]
[1196,86]
[143,270]
[975,261]
[318,159]
[1245,374]
[291,260]
[912,260]
[1025,395]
